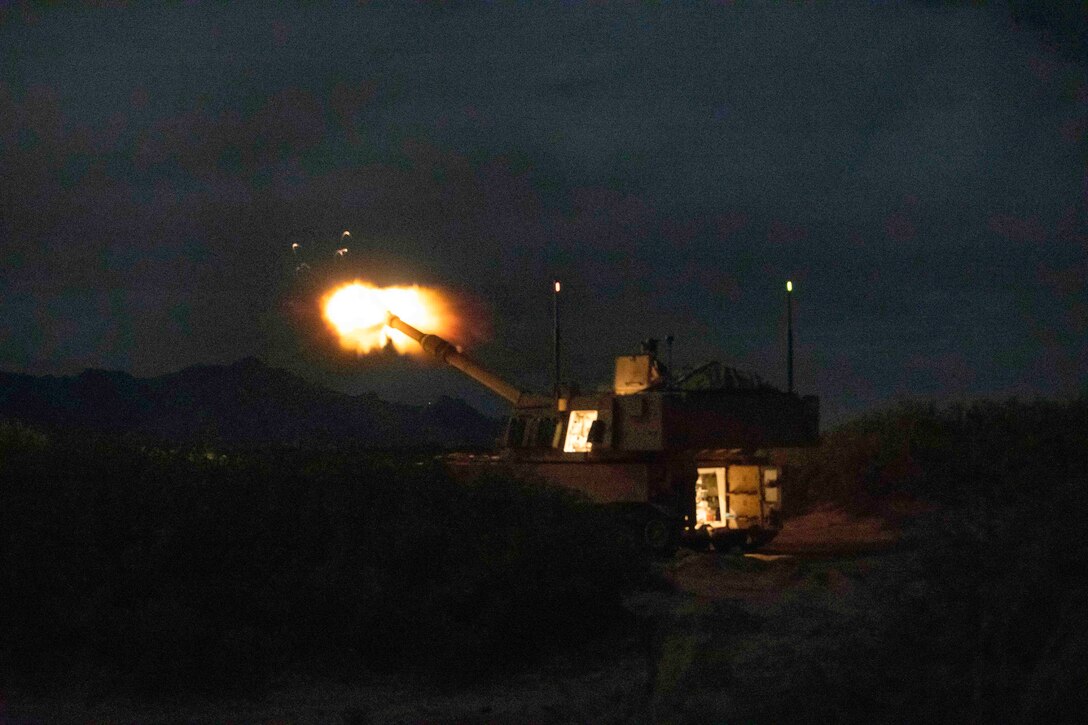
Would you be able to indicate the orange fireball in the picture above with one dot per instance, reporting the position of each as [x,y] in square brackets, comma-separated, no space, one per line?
[357,313]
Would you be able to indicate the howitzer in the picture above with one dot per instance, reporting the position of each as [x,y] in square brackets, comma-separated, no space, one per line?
[691,457]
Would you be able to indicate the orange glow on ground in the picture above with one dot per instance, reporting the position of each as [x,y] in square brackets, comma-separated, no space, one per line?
[357,312]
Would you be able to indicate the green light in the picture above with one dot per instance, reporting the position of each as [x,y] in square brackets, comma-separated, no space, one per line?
[789,286]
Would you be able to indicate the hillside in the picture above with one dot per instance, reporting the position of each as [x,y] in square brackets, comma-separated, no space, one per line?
[244,404]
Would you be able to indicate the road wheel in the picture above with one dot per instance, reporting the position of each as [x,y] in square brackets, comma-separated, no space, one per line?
[657,535]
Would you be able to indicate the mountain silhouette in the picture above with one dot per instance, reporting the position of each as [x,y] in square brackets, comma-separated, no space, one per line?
[246,403]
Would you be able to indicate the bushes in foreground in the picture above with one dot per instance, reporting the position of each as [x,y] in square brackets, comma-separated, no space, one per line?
[1004,559]
[959,454]
[155,569]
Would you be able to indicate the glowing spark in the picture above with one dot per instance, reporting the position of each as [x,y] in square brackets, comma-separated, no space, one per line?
[341,252]
[295,246]
[345,234]
[357,313]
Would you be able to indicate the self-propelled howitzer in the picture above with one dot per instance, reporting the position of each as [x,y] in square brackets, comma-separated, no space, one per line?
[679,458]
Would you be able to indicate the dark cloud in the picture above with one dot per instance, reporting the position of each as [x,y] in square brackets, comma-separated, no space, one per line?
[918,171]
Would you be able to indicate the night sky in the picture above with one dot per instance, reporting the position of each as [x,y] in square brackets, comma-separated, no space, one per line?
[918,170]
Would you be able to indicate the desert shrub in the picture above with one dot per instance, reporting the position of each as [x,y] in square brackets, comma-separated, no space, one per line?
[161,569]
[1032,587]
[998,634]
[16,436]
[957,454]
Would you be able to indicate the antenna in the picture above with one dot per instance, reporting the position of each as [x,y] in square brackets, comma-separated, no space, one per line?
[789,336]
[555,319]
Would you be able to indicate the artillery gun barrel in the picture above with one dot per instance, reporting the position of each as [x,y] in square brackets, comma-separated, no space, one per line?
[448,354]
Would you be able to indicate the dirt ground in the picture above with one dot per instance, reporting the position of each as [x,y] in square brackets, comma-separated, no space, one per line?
[721,633]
